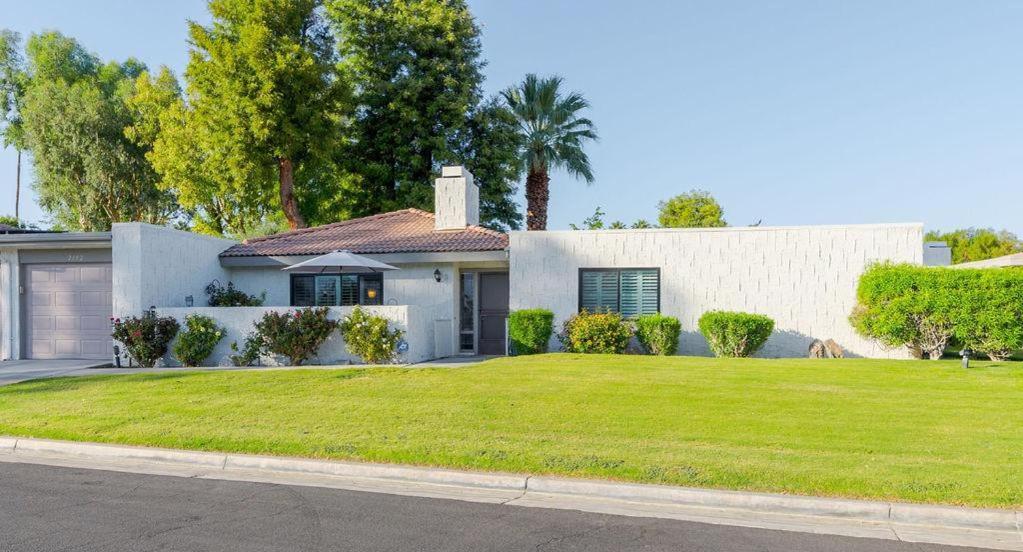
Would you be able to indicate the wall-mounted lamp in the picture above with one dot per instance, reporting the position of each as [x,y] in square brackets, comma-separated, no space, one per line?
[189,300]
[436,275]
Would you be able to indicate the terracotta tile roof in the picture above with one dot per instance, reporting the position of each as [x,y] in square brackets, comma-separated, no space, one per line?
[405,231]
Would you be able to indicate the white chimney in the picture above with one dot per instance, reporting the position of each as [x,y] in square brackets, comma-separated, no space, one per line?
[456,200]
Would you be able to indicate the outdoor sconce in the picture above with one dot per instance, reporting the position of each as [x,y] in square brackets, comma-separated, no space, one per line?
[189,300]
[966,357]
[436,275]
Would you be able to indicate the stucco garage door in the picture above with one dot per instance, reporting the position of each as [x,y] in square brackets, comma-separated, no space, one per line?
[68,310]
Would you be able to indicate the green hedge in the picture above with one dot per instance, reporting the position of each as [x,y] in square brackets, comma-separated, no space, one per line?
[530,330]
[658,334]
[602,333]
[735,334]
[927,308]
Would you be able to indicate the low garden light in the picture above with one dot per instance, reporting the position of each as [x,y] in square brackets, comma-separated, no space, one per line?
[966,357]
[436,275]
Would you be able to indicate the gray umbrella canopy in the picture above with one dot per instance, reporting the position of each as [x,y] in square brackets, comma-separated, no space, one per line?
[339,262]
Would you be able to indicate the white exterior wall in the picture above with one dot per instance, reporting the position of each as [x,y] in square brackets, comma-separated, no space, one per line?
[160,266]
[239,321]
[10,307]
[803,277]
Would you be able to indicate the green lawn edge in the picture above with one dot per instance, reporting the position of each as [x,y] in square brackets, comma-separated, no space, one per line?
[913,431]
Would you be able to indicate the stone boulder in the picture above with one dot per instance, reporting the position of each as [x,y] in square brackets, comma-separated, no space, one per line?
[818,349]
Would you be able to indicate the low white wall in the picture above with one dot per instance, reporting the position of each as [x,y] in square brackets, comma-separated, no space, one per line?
[160,266]
[803,277]
[239,322]
[411,284]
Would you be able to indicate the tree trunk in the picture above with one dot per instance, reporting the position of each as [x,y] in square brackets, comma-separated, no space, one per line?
[288,203]
[537,195]
[17,189]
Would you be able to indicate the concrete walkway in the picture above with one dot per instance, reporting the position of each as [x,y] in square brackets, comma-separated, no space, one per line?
[13,371]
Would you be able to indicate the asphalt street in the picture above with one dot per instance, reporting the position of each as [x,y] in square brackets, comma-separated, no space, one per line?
[44,508]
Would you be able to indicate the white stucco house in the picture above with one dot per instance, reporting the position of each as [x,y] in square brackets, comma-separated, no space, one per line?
[456,283]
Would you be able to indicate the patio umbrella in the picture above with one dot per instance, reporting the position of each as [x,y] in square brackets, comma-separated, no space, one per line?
[339,262]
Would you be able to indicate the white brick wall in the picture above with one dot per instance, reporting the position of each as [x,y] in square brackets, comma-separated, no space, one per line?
[803,277]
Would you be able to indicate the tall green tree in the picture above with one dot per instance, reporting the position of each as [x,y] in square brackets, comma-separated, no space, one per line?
[554,136]
[71,115]
[416,69]
[488,145]
[977,244]
[695,209]
[13,80]
[260,119]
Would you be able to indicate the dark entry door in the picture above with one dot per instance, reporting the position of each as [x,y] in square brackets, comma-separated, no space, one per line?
[493,294]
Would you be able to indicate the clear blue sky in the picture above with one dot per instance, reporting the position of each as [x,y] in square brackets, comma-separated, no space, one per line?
[793,112]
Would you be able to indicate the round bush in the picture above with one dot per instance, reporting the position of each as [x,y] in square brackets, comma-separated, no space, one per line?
[658,334]
[599,333]
[368,337]
[530,330]
[735,334]
[196,343]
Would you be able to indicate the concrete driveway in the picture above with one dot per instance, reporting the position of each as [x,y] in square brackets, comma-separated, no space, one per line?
[13,371]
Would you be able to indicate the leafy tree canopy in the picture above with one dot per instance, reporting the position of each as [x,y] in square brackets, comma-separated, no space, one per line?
[977,244]
[695,209]
[596,222]
[70,111]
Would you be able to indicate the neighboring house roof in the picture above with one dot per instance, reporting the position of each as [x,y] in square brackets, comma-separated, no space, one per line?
[8,229]
[1013,259]
[405,231]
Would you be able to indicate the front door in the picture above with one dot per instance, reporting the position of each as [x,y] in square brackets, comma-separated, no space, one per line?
[493,296]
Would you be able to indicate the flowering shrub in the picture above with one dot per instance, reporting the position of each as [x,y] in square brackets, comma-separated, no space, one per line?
[368,337]
[145,337]
[598,332]
[196,343]
[296,335]
[221,296]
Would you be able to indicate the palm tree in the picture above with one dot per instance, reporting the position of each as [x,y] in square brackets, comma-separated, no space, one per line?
[553,135]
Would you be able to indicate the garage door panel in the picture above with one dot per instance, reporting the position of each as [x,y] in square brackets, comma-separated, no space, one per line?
[65,275]
[65,298]
[68,311]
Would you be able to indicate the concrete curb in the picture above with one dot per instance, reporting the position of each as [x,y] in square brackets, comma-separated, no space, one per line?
[895,515]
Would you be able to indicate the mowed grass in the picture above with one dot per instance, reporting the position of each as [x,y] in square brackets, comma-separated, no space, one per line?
[903,430]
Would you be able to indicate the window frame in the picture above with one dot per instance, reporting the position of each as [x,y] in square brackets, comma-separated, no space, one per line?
[618,300]
[359,285]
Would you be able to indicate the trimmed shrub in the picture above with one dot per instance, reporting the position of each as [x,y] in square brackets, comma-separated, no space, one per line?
[220,296]
[368,337]
[600,333]
[735,334]
[658,334]
[296,335]
[927,308]
[530,330]
[197,342]
[145,337]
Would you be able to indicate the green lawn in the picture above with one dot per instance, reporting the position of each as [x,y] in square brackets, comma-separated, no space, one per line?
[906,430]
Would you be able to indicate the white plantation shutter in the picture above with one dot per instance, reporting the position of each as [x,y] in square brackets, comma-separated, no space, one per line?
[639,291]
